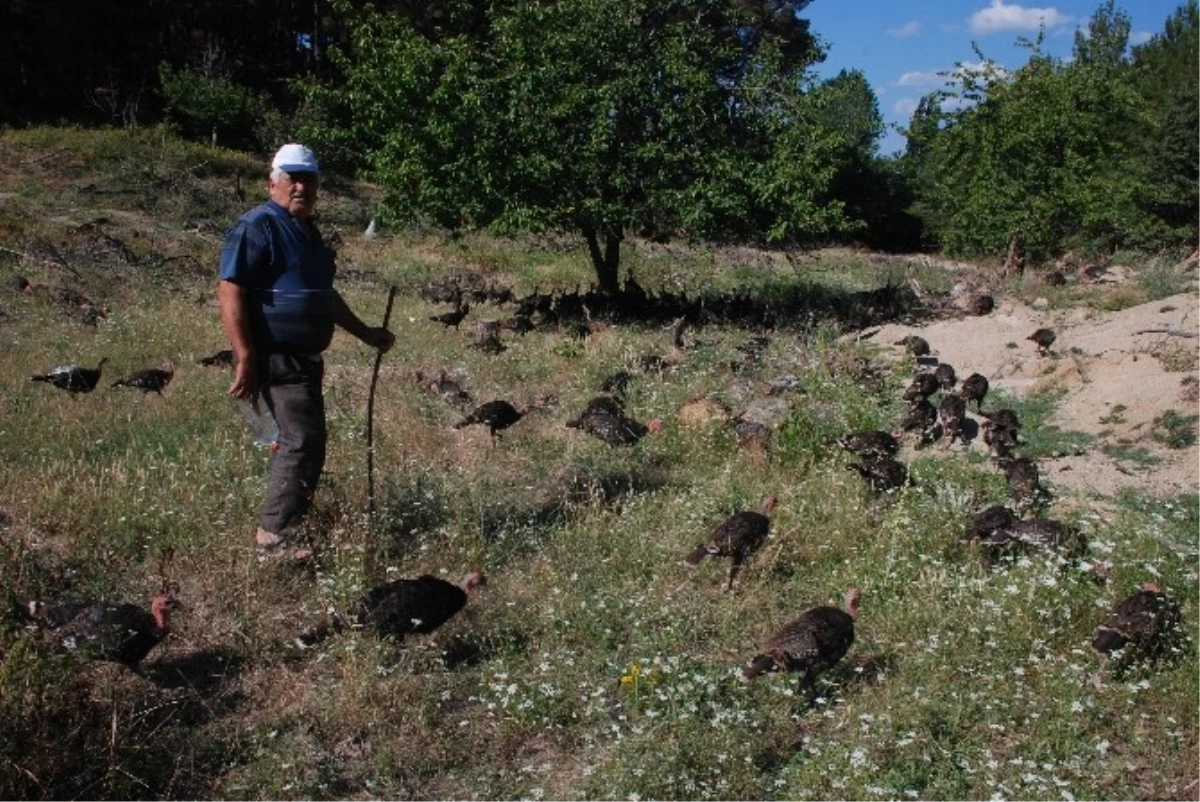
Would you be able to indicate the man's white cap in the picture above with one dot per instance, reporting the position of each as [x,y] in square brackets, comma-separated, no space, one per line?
[293,158]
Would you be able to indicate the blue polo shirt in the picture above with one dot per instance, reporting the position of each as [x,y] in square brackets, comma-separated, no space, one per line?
[288,273]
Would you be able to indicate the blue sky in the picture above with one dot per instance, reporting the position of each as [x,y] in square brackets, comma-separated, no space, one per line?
[901,45]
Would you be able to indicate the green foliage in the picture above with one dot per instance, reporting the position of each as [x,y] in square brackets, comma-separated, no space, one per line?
[1054,155]
[206,102]
[1126,452]
[596,117]
[1174,429]
[1164,71]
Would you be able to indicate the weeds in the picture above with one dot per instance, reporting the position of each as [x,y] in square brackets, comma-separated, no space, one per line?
[1126,452]
[1176,357]
[1174,430]
[593,664]
[1041,439]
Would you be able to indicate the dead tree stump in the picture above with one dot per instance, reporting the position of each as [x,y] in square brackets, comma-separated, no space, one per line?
[1014,263]
[487,337]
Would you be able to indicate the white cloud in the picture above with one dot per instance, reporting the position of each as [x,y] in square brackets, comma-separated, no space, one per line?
[999,17]
[920,79]
[940,78]
[906,30]
[1140,37]
[903,109]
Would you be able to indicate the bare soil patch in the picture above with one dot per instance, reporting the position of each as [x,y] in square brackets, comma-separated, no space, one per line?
[1119,373]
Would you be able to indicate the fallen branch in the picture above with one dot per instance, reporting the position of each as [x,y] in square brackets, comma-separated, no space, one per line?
[60,262]
[1170,332]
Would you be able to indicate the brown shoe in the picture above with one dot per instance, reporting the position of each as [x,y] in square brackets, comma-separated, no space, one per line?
[273,545]
[267,541]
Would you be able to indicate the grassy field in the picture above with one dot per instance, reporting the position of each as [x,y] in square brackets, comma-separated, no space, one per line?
[594,664]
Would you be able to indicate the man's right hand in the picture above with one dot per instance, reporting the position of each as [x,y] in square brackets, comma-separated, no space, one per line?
[245,380]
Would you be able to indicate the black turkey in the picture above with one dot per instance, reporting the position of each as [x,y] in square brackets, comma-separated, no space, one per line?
[814,642]
[415,606]
[219,359]
[1043,338]
[999,439]
[982,304]
[952,413]
[616,430]
[921,417]
[1139,625]
[498,415]
[923,385]
[917,346]
[1022,476]
[945,376]
[974,388]
[604,405]
[453,317]
[114,632]
[1045,535]
[402,607]
[988,521]
[73,378]
[739,536]
[151,380]
[883,475]
[870,444]
[521,324]
[1004,417]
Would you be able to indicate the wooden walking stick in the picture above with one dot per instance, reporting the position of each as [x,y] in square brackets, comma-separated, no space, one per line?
[387,316]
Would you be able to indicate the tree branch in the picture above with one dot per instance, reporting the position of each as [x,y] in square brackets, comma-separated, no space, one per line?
[1171,332]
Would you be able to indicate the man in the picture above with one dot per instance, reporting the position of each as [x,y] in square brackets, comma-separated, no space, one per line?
[279,309]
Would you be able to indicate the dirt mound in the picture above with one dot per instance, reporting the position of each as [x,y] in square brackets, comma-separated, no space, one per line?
[1120,372]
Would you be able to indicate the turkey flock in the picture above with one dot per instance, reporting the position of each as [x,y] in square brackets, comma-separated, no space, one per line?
[937,405]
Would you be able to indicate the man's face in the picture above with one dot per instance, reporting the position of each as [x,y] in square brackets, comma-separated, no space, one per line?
[296,192]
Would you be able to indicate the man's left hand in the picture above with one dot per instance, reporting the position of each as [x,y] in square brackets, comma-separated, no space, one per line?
[380,338]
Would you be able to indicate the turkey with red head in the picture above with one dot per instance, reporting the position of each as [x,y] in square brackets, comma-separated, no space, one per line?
[115,632]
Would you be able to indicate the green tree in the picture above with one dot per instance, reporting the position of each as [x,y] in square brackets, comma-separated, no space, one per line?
[872,189]
[1165,75]
[207,102]
[598,116]
[1051,153]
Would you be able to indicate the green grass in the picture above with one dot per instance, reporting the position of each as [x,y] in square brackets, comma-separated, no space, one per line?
[1127,452]
[594,665]
[1174,429]
[1040,438]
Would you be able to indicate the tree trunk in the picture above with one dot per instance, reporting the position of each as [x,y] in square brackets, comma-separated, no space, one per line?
[607,262]
[1015,262]
[487,337]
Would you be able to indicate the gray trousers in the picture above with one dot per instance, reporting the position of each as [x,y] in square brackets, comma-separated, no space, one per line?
[291,387]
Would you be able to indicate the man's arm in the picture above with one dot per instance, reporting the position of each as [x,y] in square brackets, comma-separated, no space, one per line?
[377,337]
[235,319]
